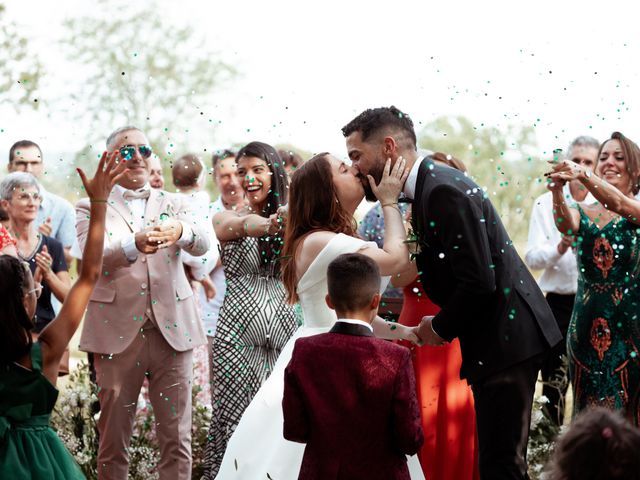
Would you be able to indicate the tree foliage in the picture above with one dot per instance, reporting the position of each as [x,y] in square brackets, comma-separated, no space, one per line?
[499,160]
[140,69]
[20,67]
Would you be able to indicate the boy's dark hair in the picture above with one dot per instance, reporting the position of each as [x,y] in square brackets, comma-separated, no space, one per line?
[353,279]
[373,120]
[187,170]
[221,155]
[599,445]
[15,148]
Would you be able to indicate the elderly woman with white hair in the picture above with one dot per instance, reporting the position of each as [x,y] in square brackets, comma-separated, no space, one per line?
[20,198]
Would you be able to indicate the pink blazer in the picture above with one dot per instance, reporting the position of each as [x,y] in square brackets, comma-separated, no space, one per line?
[119,302]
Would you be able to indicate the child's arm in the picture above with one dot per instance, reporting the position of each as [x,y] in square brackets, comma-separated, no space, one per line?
[55,337]
[407,427]
[296,425]
[209,287]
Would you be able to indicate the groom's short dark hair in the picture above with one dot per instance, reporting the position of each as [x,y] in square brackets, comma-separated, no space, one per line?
[373,120]
[353,279]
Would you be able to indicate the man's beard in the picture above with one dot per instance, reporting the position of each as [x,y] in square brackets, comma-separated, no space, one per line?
[376,172]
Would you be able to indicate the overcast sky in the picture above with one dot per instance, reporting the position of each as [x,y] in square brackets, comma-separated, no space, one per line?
[307,68]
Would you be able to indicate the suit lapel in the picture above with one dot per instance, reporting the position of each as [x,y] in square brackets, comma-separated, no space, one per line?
[153,209]
[345,328]
[118,203]
[417,207]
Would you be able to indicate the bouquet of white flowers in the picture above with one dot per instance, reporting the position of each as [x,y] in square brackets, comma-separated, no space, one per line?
[77,412]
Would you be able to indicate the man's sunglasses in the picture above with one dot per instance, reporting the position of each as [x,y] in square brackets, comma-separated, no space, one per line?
[128,151]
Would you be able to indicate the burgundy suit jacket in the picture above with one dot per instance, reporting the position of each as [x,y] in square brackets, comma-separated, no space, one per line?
[351,398]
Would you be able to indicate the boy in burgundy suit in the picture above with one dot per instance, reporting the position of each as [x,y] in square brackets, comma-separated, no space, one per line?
[348,395]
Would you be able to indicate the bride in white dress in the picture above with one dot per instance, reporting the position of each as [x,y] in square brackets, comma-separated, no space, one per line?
[323,196]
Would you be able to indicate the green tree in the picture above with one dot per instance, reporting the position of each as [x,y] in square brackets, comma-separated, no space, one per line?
[20,67]
[140,69]
[502,161]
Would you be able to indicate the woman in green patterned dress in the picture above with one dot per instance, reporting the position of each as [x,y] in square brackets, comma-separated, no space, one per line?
[604,332]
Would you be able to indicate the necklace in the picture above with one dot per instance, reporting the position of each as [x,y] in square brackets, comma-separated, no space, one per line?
[29,257]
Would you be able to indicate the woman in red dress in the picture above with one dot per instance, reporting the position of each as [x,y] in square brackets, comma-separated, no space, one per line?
[7,243]
[450,449]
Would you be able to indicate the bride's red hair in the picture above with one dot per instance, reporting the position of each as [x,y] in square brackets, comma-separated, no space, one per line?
[313,205]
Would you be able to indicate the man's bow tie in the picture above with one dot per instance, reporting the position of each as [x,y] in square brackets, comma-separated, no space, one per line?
[140,193]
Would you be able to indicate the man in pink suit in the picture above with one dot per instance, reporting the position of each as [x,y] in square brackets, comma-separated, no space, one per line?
[142,318]
[349,396]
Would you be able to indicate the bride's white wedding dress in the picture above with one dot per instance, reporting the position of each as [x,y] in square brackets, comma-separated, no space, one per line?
[257,448]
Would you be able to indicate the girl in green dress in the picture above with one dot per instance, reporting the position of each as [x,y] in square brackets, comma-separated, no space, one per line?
[29,448]
[604,332]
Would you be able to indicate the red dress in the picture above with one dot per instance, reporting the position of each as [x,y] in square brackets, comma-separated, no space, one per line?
[5,238]
[450,449]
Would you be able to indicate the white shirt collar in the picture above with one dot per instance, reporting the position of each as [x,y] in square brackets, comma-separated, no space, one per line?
[355,322]
[409,189]
[120,189]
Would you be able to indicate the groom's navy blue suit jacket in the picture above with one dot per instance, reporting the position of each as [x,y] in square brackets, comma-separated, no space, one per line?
[470,268]
[351,398]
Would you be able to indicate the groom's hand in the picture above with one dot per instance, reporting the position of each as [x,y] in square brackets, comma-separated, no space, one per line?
[426,333]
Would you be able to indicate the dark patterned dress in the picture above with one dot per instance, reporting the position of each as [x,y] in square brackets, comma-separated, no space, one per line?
[604,332]
[254,324]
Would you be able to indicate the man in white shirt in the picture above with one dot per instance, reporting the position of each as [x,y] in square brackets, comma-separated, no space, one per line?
[547,250]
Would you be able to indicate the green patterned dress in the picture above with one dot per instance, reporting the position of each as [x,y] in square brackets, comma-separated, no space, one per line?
[604,332]
[29,448]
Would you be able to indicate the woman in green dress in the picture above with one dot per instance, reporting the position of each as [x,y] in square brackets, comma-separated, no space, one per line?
[604,332]
[29,448]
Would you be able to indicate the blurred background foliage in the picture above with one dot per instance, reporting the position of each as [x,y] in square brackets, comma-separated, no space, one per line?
[501,161]
[20,66]
[163,84]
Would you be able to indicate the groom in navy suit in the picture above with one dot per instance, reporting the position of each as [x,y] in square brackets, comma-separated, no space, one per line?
[348,395]
[469,267]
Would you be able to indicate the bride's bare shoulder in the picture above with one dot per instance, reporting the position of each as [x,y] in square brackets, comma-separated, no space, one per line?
[310,248]
[315,242]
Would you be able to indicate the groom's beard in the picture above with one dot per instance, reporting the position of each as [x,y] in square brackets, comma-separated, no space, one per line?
[376,172]
[368,193]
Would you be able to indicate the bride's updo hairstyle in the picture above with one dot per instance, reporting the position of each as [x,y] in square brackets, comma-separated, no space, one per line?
[313,205]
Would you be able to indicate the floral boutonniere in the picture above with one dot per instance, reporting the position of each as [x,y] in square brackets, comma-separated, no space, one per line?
[167,214]
[413,244]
